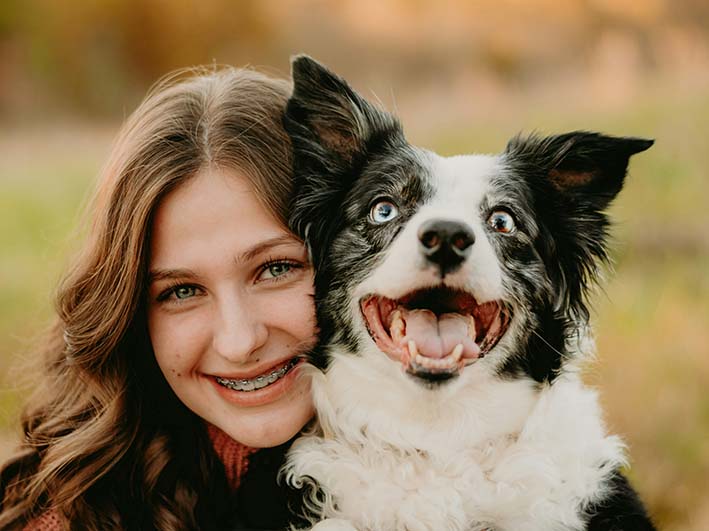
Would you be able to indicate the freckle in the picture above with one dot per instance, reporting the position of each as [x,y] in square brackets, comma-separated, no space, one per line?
[179,374]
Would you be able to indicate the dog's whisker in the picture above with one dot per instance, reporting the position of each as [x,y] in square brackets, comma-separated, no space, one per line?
[561,354]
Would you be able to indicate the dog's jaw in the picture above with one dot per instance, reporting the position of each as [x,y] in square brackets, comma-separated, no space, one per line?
[434,333]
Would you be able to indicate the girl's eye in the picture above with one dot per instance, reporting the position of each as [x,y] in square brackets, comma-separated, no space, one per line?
[184,292]
[178,293]
[274,270]
[502,221]
[383,211]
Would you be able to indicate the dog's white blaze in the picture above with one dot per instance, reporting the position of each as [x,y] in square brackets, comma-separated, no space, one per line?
[460,184]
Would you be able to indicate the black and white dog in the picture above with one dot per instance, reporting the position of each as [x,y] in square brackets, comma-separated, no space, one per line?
[451,299]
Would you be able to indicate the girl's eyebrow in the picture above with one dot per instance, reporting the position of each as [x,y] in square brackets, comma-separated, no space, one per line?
[156,275]
[265,245]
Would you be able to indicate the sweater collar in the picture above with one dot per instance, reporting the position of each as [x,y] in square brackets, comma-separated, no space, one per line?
[233,455]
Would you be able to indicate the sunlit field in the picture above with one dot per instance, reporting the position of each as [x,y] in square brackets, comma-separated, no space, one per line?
[651,316]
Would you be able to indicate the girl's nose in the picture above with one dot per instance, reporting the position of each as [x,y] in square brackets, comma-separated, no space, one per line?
[239,331]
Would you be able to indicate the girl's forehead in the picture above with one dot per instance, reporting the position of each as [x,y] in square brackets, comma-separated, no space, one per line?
[215,213]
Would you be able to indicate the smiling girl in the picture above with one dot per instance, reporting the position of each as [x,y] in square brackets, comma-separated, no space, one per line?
[171,384]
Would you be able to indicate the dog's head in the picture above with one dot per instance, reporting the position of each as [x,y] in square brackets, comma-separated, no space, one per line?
[437,262]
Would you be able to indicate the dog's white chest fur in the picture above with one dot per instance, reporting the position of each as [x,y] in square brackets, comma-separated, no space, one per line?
[504,456]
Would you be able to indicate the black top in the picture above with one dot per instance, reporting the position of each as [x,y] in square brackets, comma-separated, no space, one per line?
[262,501]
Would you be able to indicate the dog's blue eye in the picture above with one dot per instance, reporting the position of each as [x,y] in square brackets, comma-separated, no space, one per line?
[501,221]
[383,211]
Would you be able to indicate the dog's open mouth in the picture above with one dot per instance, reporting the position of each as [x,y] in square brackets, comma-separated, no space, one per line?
[434,332]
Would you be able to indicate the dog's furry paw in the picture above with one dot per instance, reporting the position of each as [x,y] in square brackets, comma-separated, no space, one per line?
[334,524]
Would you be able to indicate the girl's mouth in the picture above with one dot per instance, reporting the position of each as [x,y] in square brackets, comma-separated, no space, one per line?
[258,382]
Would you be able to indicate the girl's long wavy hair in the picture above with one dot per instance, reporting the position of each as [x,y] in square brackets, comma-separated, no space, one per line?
[106,443]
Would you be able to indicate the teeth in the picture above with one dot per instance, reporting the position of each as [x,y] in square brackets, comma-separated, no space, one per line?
[447,362]
[457,353]
[472,332]
[431,363]
[397,326]
[413,351]
[255,383]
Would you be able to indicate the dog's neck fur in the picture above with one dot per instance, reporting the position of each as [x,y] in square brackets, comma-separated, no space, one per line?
[500,456]
[426,420]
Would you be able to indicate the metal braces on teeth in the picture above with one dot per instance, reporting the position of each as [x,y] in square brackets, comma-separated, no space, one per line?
[259,382]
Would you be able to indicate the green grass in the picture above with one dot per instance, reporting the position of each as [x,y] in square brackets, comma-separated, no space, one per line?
[651,318]
[39,209]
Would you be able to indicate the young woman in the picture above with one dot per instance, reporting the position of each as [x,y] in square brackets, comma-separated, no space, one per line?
[171,386]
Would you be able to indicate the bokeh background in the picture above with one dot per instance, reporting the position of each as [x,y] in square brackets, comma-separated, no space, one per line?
[463,76]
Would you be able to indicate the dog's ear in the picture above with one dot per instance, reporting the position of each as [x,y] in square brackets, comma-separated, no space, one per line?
[573,178]
[325,110]
[586,167]
[332,129]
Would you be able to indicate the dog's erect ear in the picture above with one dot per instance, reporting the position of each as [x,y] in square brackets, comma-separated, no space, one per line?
[573,178]
[589,167]
[325,109]
[333,130]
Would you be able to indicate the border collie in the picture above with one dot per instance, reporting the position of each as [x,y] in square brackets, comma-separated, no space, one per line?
[451,301]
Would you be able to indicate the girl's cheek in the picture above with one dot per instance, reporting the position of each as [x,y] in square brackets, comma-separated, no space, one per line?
[178,340]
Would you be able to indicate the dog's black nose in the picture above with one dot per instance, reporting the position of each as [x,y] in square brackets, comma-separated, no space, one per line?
[446,243]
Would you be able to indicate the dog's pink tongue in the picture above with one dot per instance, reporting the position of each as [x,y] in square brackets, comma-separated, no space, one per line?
[436,337]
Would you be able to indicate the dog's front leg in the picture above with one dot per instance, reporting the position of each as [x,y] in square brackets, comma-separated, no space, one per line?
[334,524]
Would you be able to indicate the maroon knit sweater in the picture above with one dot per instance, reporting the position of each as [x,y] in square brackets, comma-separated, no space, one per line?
[233,454]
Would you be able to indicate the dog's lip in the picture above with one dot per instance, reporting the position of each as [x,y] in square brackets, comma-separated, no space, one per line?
[491,320]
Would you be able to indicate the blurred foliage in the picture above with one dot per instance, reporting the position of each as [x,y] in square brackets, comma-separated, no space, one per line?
[95,56]
[463,76]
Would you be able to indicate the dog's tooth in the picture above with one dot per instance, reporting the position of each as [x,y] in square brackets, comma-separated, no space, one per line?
[397,326]
[445,363]
[472,332]
[413,351]
[405,357]
[457,353]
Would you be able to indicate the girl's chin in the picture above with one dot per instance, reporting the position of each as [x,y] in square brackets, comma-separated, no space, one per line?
[266,417]
[271,428]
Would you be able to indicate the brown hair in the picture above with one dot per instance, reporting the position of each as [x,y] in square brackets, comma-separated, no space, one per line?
[105,417]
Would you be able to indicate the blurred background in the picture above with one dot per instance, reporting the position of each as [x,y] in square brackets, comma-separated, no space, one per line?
[463,76]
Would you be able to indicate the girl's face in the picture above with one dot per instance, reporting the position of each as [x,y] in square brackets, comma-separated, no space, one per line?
[230,307]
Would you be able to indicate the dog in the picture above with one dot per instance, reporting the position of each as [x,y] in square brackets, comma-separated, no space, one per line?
[451,298]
